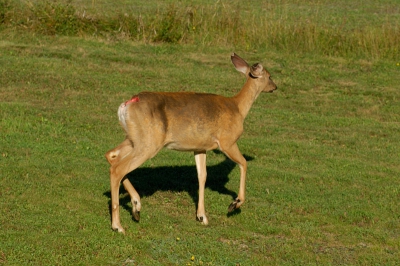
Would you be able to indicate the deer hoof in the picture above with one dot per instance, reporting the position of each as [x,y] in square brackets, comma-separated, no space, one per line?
[203,220]
[136,215]
[119,230]
[136,206]
[234,205]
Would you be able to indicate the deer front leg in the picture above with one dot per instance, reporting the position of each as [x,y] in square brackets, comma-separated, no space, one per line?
[235,155]
[200,158]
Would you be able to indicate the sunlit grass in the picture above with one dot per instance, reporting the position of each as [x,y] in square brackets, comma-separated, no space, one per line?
[323,151]
[340,29]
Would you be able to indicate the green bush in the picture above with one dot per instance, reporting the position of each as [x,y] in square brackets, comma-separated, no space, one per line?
[5,7]
[169,27]
[54,18]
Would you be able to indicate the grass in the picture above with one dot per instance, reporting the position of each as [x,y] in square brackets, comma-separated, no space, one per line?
[323,151]
[336,29]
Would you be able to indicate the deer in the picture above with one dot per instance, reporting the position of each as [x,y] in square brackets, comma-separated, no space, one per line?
[184,121]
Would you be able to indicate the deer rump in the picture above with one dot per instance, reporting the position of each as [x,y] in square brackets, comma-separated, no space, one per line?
[204,118]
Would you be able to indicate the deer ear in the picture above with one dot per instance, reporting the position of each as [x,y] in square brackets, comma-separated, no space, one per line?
[240,64]
[256,70]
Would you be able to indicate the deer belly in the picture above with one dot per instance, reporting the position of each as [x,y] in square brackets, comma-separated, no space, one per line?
[191,146]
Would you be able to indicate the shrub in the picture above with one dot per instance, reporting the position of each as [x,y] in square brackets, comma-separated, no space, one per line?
[5,7]
[54,18]
[169,26]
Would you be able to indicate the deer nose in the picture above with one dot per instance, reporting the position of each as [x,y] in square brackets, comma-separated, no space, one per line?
[271,91]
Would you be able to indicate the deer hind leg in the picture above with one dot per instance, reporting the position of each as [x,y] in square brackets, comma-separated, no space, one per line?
[200,158]
[117,154]
[123,161]
[135,198]
[235,155]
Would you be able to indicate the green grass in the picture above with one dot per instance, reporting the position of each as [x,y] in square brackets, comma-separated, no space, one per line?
[323,174]
[341,28]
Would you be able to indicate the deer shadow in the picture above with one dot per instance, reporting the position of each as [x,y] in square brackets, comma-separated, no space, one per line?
[149,180]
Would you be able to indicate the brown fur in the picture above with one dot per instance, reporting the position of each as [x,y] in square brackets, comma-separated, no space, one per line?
[185,121]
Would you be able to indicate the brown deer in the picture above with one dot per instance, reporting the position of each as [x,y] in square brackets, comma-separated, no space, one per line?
[184,121]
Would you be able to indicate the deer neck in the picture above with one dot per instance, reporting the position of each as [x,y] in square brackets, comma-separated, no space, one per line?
[246,97]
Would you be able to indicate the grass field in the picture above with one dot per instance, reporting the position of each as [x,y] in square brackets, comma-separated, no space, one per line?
[323,183]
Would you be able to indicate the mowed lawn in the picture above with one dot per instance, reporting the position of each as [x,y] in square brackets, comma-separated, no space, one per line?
[323,151]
